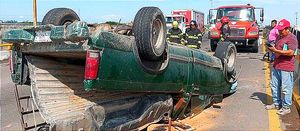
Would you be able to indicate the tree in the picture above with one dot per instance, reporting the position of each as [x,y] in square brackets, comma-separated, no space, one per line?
[114,23]
[10,21]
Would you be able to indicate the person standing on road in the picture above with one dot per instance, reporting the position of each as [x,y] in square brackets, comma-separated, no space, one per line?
[174,34]
[283,68]
[225,29]
[272,38]
[193,36]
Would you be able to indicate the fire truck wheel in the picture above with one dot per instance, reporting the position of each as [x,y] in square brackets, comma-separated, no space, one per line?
[226,51]
[60,16]
[255,47]
[149,30]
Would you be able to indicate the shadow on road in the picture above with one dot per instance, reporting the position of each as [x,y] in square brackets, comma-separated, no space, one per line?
[261,96]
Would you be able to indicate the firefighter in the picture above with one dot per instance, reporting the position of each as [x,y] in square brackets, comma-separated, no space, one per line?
[193,36]
[225,29]
[174,34]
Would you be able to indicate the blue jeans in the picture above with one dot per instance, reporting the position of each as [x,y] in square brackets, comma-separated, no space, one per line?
[282,80]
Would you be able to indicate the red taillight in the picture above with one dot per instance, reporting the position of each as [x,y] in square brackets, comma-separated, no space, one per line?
[92,64]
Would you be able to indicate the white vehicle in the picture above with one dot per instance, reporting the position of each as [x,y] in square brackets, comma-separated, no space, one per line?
[179,18]
[190,15]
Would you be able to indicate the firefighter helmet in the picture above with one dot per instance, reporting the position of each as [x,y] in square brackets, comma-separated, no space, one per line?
[193,23]
[175,24]
[225,19]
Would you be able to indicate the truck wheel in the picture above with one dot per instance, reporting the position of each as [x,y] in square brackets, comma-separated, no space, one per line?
[213,45]
[255,47]
[60,16]
[149,30]
[226,51]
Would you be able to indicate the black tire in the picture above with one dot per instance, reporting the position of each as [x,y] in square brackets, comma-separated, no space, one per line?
[226,51]
[60,16]
[255,47]
[149,30]
[213,44]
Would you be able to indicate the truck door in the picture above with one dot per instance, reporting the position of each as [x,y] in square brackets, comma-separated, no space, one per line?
[208,76]
[212,17]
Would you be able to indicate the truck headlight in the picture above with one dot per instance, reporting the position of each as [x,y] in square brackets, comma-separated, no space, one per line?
[253,33]
[214,33]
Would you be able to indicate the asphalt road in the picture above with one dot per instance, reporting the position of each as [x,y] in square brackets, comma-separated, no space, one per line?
[243,110]
[9,117]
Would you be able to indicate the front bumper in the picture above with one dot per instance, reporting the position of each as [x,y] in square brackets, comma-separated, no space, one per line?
[240,41]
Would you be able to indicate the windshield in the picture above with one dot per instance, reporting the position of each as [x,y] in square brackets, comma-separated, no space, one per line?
[237,14]
[171,19]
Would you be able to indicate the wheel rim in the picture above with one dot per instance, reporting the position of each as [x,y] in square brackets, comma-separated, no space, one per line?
[157,32]
[231,58]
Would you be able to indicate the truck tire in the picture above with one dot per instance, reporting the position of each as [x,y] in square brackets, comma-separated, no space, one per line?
[60,16]
[149,30]
[226,51]
[213,44]
[255,47]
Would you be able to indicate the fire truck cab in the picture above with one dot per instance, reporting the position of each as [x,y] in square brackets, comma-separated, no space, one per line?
[244,29]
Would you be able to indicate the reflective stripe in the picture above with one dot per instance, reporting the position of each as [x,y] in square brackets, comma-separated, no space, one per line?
[192,46]
[199,34]
[193,37]
[174,36]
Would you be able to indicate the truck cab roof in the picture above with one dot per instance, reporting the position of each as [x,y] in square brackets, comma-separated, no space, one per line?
[236,6]
[174,15]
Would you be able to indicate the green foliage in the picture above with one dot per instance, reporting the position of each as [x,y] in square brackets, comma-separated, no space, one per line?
[10,21]
[26,22]
[114,23]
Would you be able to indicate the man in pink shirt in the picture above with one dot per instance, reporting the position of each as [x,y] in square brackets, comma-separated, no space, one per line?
[283,68]
[274,32]
[271,40]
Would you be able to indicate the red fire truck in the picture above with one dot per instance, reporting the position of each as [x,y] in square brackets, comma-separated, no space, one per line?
[244,30]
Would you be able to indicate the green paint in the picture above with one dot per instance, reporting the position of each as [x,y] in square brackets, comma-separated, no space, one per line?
[189,73]
[75,32]
[18,36]
[120,69]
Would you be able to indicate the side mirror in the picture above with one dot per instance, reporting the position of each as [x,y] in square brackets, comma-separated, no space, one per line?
[262,15]
[261,19]
[209,17]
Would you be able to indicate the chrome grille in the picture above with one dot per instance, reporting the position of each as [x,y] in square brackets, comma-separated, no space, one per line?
[237,32]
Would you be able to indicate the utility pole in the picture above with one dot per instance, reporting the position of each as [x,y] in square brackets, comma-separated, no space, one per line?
[78,10]
[296,19]
[211,3]
[34,14]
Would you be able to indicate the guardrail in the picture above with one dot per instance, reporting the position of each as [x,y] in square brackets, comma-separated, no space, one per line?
[7,45]
[296,91]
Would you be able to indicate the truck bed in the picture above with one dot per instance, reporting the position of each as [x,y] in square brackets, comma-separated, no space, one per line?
[64,104]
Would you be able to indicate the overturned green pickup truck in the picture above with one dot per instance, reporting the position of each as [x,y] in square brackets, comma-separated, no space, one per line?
[102,80]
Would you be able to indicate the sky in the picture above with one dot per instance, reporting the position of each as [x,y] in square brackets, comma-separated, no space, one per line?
[97,11]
